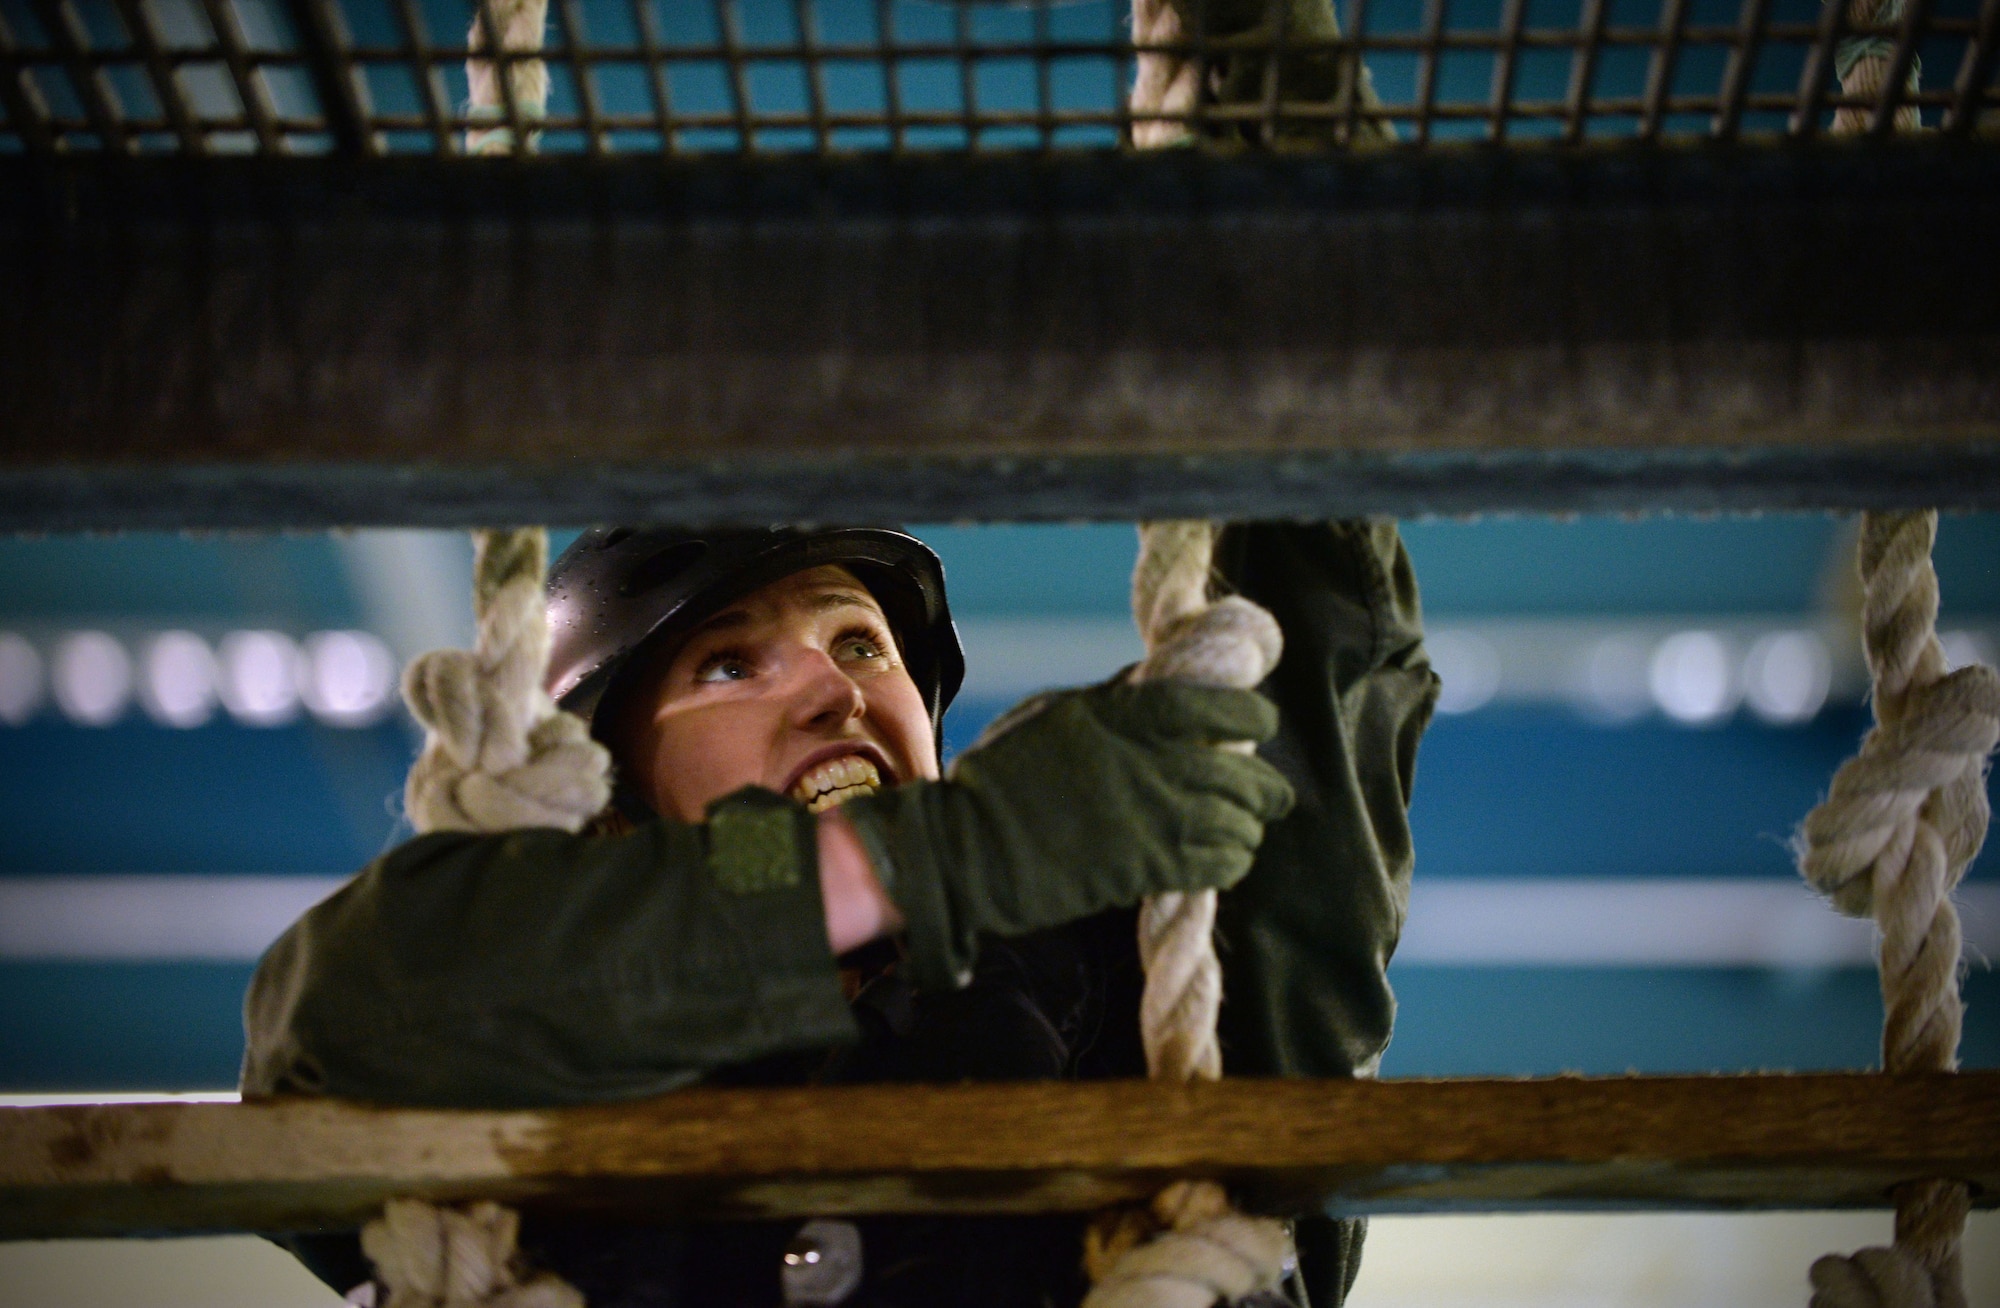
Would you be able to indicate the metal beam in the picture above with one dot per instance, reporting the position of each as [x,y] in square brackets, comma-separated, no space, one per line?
[294,342]
[1288,1146]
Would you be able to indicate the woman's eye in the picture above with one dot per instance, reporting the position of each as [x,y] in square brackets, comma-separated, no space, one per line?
[860,647]
[722,667]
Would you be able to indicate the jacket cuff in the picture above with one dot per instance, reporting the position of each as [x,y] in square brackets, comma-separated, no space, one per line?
[763,859]
[892,825]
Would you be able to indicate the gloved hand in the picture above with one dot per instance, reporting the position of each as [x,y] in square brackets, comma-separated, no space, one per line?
[1101,798]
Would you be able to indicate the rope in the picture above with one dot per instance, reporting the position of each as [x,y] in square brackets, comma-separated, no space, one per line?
[432,1257]
[1167,85]
[1901,822]
[1862,65]
[1189,1249]
[1162,83]
[521,24]
[1905,815]
[1231,642]
[497,754]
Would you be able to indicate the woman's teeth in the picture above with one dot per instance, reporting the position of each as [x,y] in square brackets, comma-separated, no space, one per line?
[837,781]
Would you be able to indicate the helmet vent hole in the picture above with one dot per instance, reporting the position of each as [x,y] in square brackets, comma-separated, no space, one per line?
[616,538]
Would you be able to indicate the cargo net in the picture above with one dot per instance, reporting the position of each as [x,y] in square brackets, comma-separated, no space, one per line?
[767,77]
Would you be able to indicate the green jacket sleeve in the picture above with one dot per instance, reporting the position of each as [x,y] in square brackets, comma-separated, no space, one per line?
[539,968]
[1306,938]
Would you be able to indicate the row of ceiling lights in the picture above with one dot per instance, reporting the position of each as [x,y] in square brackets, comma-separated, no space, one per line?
[178,679]
[1694,677]
[348,678]
[1700,678]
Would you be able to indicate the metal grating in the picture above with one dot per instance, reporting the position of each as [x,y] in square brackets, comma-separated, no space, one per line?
[844,76]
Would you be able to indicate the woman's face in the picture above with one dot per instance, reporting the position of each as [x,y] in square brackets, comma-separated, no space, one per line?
[797,688]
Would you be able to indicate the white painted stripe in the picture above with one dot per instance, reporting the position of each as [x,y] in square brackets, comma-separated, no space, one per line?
[1651,923]
[1584,922]
[189,918]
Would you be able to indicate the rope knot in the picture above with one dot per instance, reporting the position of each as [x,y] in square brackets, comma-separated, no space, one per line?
[1879,1277]
[1187,1249]
[1231,642]
[431,1257]
[498,754]
[1925,767]
[1902,820]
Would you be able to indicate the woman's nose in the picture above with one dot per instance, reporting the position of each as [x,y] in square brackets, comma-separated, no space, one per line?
[825,694]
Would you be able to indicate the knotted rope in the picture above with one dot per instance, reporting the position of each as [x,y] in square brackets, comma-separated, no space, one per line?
[1190,1249]
[1201,1251]
[1901,822]
[432,1257]
[498,755]
[1906,815]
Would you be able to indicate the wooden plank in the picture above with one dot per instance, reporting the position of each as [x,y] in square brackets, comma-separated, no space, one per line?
[313,342]
[1290,1145]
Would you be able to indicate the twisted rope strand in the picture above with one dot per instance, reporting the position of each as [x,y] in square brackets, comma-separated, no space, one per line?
[1901,822]
[1233,643]
[1202,1251]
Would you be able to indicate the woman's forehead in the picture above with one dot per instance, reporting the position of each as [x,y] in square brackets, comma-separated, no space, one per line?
[811,591]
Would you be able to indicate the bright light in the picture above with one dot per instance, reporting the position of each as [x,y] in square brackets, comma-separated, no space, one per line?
[177,681]
[349,678]
[1693,678]
[1786,676]
[93,678]
[1614,688]
[260,677]
[20,679]
[1468,669]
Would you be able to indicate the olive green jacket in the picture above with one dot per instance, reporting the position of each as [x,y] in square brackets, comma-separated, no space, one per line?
[539,968]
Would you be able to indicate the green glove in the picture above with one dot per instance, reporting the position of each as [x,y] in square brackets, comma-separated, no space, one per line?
[1100,798]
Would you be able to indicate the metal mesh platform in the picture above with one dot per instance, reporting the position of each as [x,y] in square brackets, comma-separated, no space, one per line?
[846,76]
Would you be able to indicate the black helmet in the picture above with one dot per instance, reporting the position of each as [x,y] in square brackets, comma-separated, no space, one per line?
[617,588]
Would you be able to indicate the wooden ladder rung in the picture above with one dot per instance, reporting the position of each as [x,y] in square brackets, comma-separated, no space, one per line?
[1759,1141]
